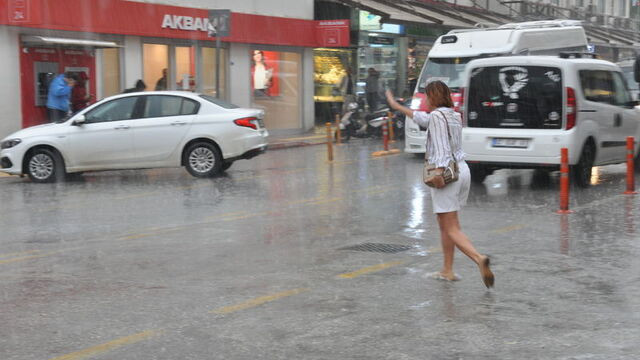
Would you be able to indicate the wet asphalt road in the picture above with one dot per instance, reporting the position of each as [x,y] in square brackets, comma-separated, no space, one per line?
[155,264]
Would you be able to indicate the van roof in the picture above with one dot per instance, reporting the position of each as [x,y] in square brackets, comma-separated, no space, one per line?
[536,60]
[509,38]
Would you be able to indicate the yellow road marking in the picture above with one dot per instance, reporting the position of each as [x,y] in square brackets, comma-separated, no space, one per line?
[370,269]
[509,228]
[19,253]
[303,138]
[258,301]
[8,261]
[102,348]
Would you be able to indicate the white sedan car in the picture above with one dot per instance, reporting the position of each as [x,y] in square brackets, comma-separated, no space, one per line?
[138,131]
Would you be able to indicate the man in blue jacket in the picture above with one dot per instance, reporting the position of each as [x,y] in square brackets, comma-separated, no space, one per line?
[59,95]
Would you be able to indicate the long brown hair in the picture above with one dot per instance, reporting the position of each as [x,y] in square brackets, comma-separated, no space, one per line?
[439,94]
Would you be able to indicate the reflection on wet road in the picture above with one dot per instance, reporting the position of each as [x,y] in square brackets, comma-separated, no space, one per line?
[267,262]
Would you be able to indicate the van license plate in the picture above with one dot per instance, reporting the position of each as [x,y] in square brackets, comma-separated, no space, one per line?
[510,143]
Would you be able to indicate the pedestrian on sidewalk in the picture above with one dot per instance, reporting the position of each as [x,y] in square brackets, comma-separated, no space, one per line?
[447,201]
[59,95]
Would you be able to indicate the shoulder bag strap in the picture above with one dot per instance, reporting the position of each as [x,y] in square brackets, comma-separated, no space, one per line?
[448,134]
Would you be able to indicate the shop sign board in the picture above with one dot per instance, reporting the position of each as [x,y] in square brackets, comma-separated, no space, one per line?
[219,24]
[369,21]
[23,11]
[332,33]
[381,40]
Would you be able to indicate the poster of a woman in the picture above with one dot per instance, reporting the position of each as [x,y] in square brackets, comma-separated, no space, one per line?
[263,74]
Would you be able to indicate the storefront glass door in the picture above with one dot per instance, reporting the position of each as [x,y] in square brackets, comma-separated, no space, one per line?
[155,59]
[208,77]
[185,68]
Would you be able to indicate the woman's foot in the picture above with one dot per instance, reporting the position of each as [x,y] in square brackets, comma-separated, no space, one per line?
[446,276]
[485,271]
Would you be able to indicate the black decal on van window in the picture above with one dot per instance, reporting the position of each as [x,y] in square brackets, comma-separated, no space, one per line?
[513,79]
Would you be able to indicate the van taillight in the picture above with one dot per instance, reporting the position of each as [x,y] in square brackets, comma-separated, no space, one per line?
[249,122]
[572,108]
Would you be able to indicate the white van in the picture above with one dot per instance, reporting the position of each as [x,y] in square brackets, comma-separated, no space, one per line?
[451,52]
[521,110]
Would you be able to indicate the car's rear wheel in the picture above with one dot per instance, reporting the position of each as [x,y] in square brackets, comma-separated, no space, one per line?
[45,166]
[203,159]
[582,170]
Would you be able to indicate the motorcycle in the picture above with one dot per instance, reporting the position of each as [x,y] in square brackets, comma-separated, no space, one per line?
[376,119]
[350,123]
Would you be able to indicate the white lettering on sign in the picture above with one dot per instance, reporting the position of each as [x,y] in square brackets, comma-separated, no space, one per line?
[184,23]
[334,22]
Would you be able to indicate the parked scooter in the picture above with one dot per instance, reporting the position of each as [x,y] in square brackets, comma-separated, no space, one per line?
[376,119]
[351,124]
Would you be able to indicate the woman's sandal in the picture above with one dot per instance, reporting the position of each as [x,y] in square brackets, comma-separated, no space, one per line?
[485,271]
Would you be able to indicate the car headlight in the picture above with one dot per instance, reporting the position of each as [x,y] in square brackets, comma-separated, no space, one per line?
[10,143]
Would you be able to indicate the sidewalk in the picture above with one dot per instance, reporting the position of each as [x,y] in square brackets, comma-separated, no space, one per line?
[316,136]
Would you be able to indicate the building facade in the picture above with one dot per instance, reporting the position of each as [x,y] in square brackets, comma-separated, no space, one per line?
[266,61]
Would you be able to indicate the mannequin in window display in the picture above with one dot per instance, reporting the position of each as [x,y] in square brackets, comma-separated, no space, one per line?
[261,75]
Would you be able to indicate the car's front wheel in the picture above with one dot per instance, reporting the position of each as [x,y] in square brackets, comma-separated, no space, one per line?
[44,166]
[203,159]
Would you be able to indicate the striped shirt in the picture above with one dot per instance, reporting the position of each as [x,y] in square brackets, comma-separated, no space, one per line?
[437,143]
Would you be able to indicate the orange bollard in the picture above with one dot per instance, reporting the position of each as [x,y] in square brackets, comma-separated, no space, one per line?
[385,136]
[392,135]
[338,133]
[631,182]
[564,182]
[329,142]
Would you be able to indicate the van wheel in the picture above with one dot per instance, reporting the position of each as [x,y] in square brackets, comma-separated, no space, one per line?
[582,170]
[45,166]
[478,173]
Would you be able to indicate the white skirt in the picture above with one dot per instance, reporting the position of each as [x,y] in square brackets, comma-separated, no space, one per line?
[453,196]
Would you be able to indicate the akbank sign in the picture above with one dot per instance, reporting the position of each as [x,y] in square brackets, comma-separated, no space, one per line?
[189,23]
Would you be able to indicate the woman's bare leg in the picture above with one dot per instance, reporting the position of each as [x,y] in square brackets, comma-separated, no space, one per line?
[450,226]
[448,249]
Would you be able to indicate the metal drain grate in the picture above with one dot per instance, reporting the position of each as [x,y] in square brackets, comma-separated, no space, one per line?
[383,248]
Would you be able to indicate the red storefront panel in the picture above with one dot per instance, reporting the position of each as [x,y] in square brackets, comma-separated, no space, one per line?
[133,18]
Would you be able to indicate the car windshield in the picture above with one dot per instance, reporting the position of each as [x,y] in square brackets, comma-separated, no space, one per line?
[448,70]
[221,103]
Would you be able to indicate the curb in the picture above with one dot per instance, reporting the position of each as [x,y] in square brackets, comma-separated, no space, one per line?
[291,144]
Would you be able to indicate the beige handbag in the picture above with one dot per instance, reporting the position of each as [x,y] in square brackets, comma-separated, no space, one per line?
[439,177]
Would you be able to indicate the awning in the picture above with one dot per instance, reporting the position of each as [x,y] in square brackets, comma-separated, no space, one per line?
[46,40]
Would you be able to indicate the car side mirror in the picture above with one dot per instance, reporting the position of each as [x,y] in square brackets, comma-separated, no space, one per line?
[636,69]
[79,120]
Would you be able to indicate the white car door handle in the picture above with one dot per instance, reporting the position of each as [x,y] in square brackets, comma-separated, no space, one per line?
[178,123]
[121,127]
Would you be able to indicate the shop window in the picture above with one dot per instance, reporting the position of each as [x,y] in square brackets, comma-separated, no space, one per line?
[275,84]
[110,72]
[185,68]
[155,59]
[379,52]
[208,77]
[329,69]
